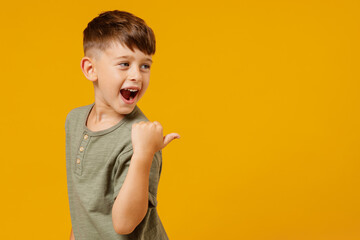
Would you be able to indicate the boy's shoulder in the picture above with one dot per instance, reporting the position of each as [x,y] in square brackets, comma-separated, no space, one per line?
[75,115]
[75,112]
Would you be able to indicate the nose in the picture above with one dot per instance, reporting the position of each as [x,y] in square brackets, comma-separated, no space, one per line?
[134,74]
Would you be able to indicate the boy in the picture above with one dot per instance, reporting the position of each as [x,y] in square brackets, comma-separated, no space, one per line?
[113,152]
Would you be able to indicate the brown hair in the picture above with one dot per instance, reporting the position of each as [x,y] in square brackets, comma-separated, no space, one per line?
[118,26]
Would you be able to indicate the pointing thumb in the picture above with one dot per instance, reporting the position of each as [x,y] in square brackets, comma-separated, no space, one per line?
[169,137]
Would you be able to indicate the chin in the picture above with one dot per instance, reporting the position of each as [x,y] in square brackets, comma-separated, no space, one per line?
[127,109]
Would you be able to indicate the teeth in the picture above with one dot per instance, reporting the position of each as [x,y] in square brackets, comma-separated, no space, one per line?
[131,90]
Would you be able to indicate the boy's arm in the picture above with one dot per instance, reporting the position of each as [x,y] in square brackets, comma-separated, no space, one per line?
[131,203]
[72,237]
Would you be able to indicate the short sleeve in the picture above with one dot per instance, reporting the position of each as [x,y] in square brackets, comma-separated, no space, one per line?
[121,168]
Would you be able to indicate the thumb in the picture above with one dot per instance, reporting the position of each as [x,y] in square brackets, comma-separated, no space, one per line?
[169,137]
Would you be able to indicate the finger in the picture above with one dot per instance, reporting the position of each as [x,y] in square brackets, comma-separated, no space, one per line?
[157,123]
[141,122]
[169,137]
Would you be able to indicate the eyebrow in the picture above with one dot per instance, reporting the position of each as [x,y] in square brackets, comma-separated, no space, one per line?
[127,56]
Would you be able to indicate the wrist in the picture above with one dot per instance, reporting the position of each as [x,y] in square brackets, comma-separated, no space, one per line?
[142,154]
[143,158]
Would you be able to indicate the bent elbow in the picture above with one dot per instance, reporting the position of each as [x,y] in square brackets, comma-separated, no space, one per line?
[125,225]
[123,229]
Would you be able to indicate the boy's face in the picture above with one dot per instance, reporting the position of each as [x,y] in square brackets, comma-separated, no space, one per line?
[116,69]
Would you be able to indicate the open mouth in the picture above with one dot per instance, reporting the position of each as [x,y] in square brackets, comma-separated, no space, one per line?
[129,94]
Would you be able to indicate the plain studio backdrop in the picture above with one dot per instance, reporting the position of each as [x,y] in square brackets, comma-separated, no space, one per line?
[265,96]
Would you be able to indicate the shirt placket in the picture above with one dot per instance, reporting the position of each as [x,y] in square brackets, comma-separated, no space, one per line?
[81,152]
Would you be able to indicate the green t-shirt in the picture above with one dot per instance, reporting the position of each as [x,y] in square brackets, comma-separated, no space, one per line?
[96,166]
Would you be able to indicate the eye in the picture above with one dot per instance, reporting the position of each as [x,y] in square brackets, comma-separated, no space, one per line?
[146,66]
[121,64]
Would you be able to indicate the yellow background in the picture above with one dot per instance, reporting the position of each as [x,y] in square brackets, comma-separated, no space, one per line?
[265,96]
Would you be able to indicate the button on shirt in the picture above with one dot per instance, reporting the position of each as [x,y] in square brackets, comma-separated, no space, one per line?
[96,166]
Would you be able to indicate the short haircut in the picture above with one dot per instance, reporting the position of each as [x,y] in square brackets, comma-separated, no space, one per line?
[118,27]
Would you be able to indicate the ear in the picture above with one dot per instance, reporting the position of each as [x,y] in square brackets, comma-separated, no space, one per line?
[88,68]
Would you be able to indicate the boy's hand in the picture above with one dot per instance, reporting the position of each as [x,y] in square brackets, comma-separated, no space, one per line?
[147,138]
